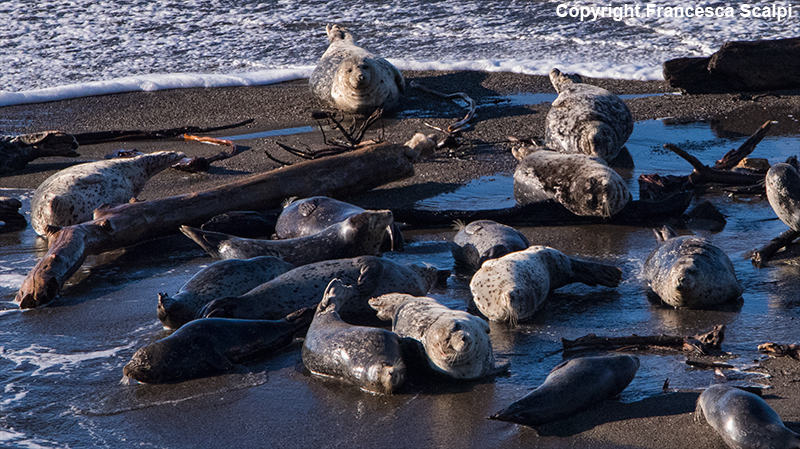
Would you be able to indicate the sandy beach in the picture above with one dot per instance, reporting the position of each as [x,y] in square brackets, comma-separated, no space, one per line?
[662,422]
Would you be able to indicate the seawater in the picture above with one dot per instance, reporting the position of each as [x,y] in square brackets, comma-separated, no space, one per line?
[60,49]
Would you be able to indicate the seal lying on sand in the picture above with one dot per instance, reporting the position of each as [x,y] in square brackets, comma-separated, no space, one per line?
[689,271]
[783,193]
[482,240]
[584,185]
[571,387]
[456,342]
[70,196]
[213,346]
[514,286]
[358,235]
[309,216]
[586,119]
[743,419]
[302,287]
[223,278]
[368,357]
[352,79]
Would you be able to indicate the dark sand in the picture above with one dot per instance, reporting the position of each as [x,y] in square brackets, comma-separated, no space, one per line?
[662,422]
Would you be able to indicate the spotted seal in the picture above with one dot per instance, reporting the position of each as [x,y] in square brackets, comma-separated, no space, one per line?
[689,271]
[308,216]
[223,278]
[368,357]
[353,79]
[482,240]
[743,419]
[70,196]
[361,234]
[456,342]
[572,386]
[213,346]
[783,192]
[586,119]
[514,286]
[583,184]
[303,286]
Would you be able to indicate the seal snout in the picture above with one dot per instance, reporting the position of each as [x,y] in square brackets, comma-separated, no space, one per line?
[388,378]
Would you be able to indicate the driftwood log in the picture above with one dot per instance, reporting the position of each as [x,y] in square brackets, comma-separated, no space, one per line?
[779,350]
[116,226]
[703,344]
[17,151]
[92,138]
[761,256]
[9,215]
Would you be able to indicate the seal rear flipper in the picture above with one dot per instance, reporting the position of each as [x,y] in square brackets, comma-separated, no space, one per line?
[207,240]
[386,305]
[302,318]
[396,237]
[664,234]
[592,273]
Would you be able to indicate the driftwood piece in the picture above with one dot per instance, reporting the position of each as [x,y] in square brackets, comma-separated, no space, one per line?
[10,216]
[91,138]
[703,344]
[779,350]
[733,157]
[761,256]
[122,225]
[203,164]
[17,151]
[704,174]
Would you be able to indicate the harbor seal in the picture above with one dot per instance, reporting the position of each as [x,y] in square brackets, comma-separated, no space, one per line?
[482,240]
[352,79]
[223,278]
[586,119]
[744,420]
[514,286]
[359,235]
[570,387]
[689,271]
[368,357]
[213,346]
[70,196]
[456,342]
[308,216]
[583,184]
[783,192]
[303,286]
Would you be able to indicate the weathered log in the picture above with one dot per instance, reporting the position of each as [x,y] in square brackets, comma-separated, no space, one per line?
[758,65]
[761,256]
[91,138]
[779,350]
[9,215]
[704,344]
[121,225]
[733,157]
[17,151]
[691,76]
[703,174]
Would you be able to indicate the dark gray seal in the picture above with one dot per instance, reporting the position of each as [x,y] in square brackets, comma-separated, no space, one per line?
[368,357]
[482,240]
[456,342]
[309,216]
[223,278]
[358,235]
[783,192]
[303,286]
[572,386]
[583,184]
[70,196]
[514,286]
[689,271]
[744,420]
[586,119]
[213,346]
[352,79]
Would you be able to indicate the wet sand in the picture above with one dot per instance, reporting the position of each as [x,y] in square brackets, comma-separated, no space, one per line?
[665,421]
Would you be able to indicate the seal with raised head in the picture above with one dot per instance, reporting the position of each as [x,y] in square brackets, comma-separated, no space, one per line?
[353,79]
[456,342]
[223,278]
[688,271]
[368,357]
[301,218]
[514,286]
[586,119]
[744,420]
[359,235]
[482,240]
[783,192]
[70,196]
[213,346]
[303,286]
[583,184]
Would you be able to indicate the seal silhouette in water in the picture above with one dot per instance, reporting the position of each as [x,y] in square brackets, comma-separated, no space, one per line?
[514,286]
[352,79]
[586,119]
[689,271]
[744,420]
[783,192]
[482,240]
[571,387]
[368,357]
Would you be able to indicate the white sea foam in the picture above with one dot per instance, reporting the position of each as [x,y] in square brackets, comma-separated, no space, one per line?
[50,362]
